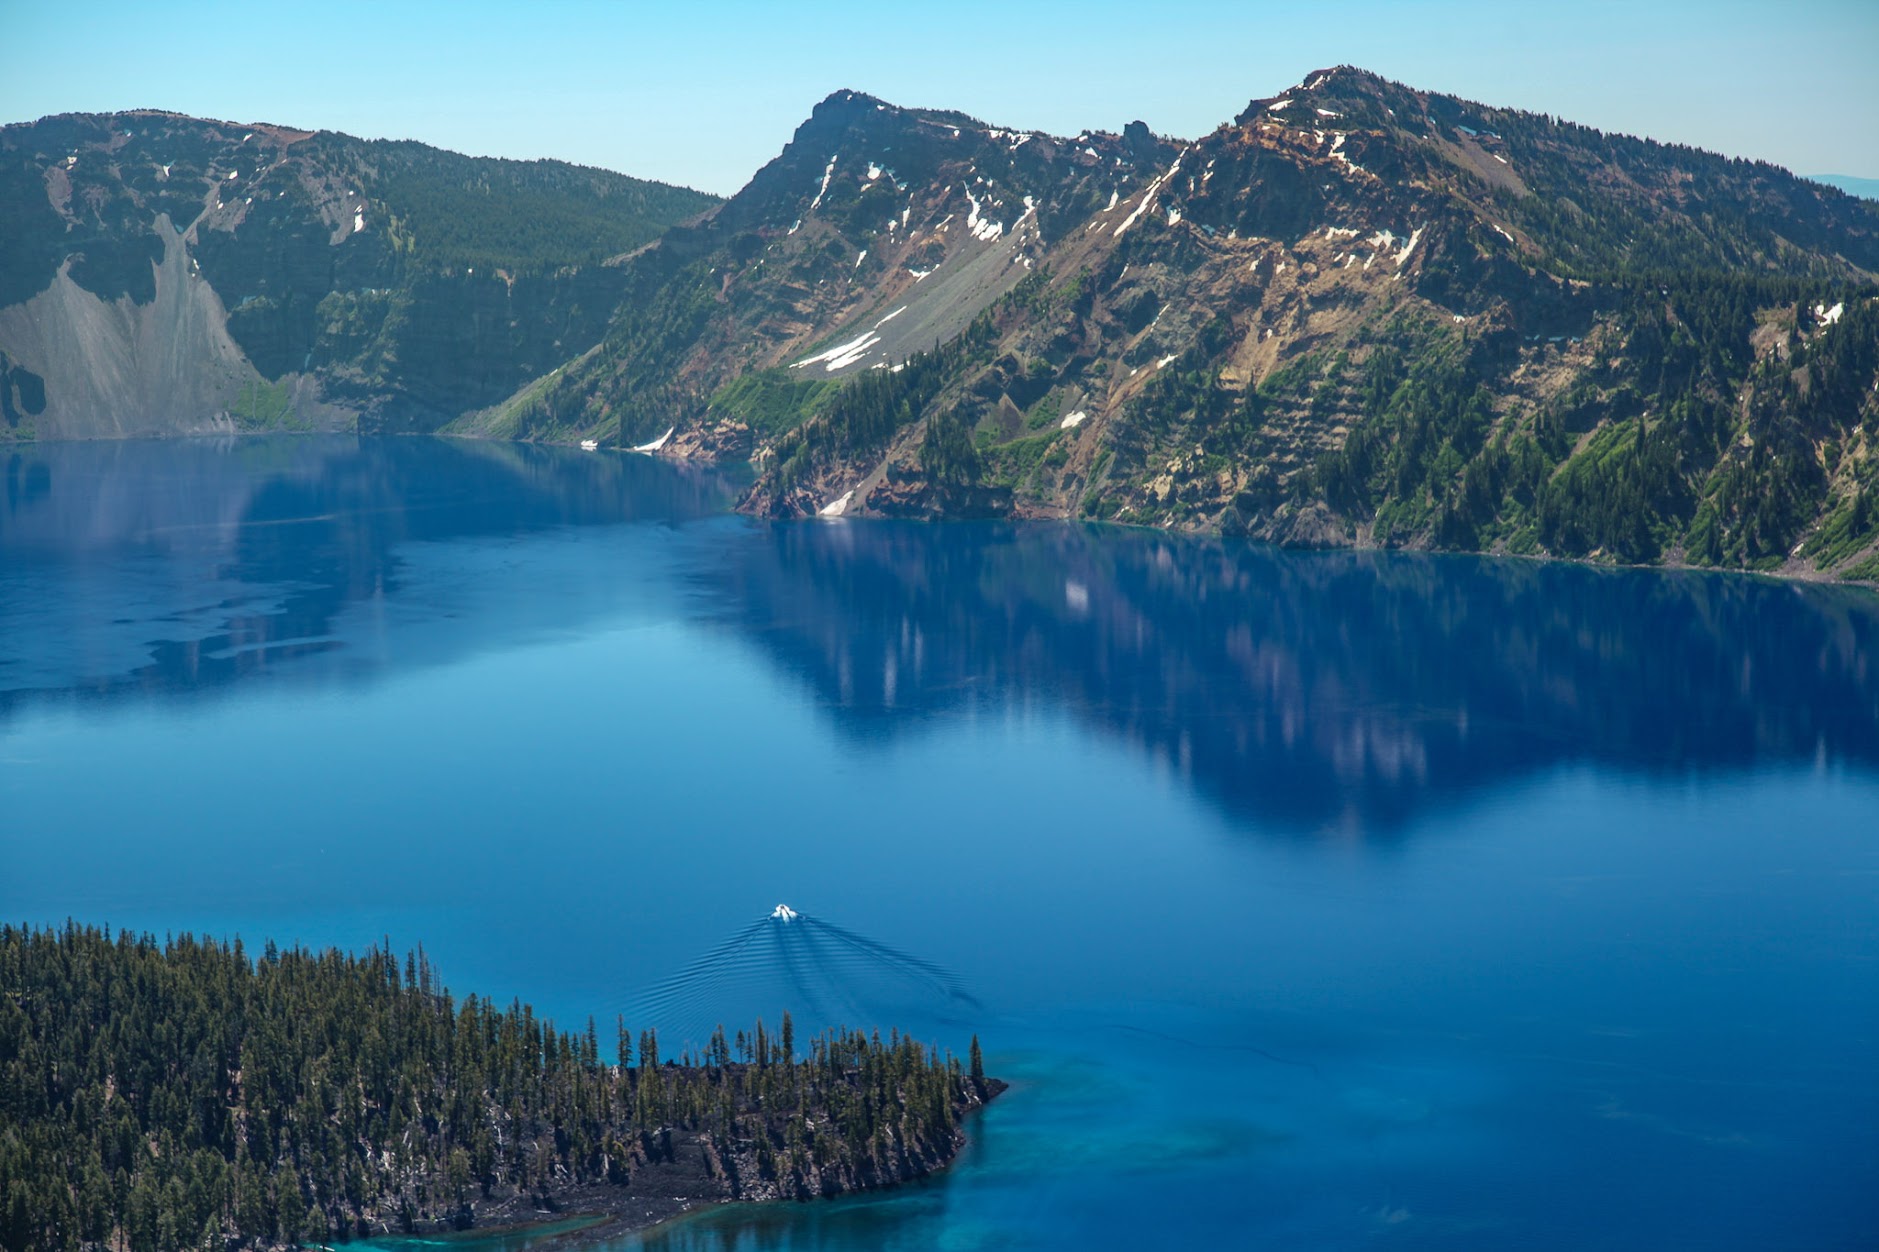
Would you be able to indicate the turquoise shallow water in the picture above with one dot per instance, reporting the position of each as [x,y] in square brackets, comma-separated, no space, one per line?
[1309,900]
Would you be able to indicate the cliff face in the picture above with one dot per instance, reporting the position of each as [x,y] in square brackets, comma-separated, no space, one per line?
[879,231]
[168,275]
[1358,314]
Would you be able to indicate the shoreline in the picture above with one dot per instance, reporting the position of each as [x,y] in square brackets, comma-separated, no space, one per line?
[1786,574]
[596,1212]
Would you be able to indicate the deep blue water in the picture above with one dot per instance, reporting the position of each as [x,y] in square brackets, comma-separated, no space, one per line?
[1309,900]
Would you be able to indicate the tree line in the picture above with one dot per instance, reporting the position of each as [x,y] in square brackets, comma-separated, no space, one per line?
[157,1096]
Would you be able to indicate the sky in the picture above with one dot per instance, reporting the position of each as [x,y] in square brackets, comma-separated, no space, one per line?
[702,94]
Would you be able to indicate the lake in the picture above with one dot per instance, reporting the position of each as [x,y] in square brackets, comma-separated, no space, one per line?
[1320,900]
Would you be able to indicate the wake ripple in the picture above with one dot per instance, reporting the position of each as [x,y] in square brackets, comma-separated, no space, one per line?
[826,976]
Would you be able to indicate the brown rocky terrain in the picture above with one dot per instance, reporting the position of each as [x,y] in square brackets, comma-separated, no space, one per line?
[1357,314]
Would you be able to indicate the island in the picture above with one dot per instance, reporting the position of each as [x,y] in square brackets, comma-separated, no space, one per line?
[185,1093]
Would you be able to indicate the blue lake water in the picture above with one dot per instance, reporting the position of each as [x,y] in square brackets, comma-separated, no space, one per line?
[1308,900]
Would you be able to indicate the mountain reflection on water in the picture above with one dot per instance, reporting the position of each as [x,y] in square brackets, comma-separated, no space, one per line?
[1317,688]
[1306,690]
[186,566]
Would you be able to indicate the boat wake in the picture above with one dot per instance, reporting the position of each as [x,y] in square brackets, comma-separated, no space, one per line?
[824,975]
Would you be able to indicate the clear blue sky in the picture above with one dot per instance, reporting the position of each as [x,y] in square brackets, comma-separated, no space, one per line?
[703,94]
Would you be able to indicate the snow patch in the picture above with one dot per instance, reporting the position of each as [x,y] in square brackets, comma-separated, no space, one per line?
[1163,363]
[358,221]
[841,355]
[861,257]
[1337,153]
[890,317]
[1340,232]
[656,444]
[1409,247]
[982,228]
[835,508]
[1329,113]
[874,171]
[1278,106]
[823,190]
[1148,196]
[918,274]
[1503,234]
[1828,316]
[1072,419]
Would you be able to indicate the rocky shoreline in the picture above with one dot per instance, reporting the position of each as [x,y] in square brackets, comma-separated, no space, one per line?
[675,1173]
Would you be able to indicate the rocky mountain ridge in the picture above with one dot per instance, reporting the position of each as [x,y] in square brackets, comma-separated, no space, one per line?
[1357,314]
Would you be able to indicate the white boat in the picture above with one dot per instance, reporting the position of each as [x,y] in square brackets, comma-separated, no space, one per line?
[590,445]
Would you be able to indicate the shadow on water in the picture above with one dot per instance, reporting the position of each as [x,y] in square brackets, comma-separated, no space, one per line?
[1315,690]
[1294,690]
[183,567]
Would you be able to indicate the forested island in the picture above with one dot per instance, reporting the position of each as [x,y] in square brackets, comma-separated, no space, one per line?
[157,1096]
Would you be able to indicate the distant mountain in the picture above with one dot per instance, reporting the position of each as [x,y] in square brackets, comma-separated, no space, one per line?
[163,273]
[1866,188]
[1357,314]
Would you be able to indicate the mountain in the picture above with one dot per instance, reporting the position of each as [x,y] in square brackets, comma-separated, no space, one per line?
[893,228]
[1866,188]
[165,274]
[1358,314]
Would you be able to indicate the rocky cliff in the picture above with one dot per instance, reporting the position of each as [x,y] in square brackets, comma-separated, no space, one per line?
[1358,314]
[164,274]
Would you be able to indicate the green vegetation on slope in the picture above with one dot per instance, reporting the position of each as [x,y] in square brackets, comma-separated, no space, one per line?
[516,215]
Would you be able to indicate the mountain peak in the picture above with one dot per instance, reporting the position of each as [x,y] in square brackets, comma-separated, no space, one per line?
[1320,90]
[847,103]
